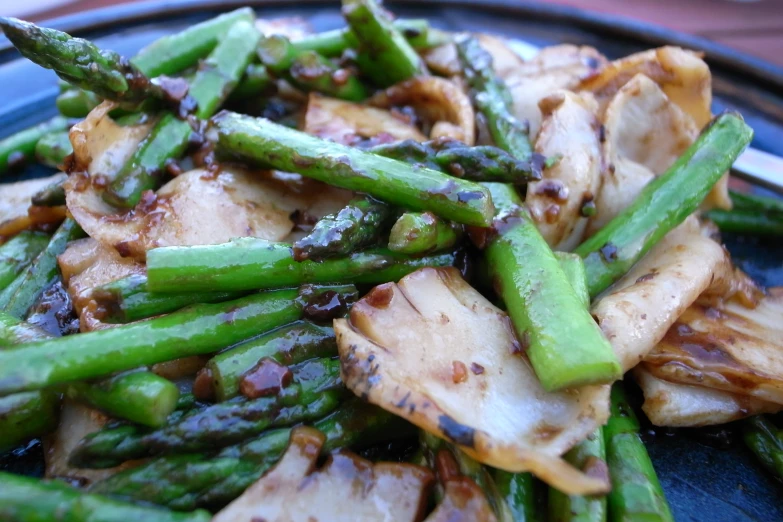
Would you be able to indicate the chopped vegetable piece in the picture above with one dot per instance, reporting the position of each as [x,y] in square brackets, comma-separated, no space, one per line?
[765,440]
[20,147]
[417,233]
[18,253]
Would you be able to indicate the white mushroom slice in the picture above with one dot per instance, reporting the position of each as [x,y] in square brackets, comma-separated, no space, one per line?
[435,100]
[346,488]
[644,133]
[463,501]
[292,27]
[728,347]
[443,59]
[684,77]
[76,422]
[554,68]
[16,214]
[683,405]
[569,131]
[427,347]
[86,264]
[639,309]
[346,122]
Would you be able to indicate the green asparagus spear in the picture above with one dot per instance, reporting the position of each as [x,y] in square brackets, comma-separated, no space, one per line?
[518,493]
[357,225]
[18,253]
[493,100]
[275,146]
[590,454]
[482,163]
[169,138]
[574,269]
[747,222]
[313,391]
[255,82]
[196,330]
[21,294]
[188,481]
[82,64]
[537,293]
[20,147]
[52,149]
[25,499]
[141,397]
[250,263]
[308,70]
[383,53]
[176,52]
[636,493]
[76,103]
[754,202]
[765,440]
[664,203]
[127,300]
[416,233]
[50,196]
[334,43]
[290,344]
[28,414]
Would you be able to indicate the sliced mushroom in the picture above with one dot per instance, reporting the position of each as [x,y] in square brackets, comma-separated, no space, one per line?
[685,79]
[639,309]
[86,264]
[346,488]
[553,68]
[570,132]
[426,347]
[727,347]
[16,212]
[441,102]
[463,501]
[644,133]
[347,122]
[684,405]
[76,422]
[443,59]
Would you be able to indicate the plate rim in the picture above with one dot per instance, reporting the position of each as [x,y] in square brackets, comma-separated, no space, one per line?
[758,69]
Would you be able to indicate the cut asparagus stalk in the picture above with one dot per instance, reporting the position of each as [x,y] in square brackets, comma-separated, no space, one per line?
[417,233]
[22,292]
[664,203]
[26,499]
[196,330]
[288,345]
[250,263]
[213,83]
[53,148]
[765,440]
[18,253]
[383,53]
[141,397]
[278,147]
[314,390]
[536,291]
[518,492]
[636,493]
[308,70]
[358,225]
[590,454]
[19,148]
[188,481]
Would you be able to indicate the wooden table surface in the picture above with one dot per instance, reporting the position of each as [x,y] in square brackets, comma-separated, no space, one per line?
[755,27]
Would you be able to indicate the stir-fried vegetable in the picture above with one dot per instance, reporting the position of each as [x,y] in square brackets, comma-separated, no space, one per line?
[459,225]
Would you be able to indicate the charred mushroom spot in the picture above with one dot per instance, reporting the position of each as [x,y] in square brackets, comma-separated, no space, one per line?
[547,432]
[456,432]
[553,189]
[476,368]
[459,372]
[380,296]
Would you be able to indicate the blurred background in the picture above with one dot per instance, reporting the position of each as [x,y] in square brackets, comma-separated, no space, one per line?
[752,26]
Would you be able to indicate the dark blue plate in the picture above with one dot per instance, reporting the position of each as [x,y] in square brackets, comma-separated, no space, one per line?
[708,475]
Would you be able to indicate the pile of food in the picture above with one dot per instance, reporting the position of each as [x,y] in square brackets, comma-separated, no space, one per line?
[378,273]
